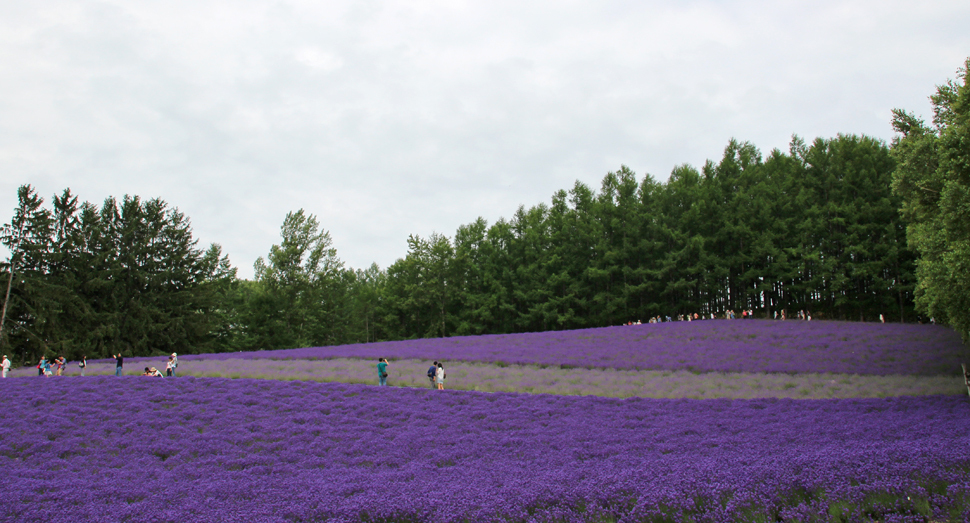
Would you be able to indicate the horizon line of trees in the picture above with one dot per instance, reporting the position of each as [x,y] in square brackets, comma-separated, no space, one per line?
[847,227]
[816,228]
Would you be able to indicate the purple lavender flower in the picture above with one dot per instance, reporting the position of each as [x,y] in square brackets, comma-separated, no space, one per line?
[105,449]
[705,346]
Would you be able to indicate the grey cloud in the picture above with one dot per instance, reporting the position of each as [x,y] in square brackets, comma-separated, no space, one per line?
[392,118]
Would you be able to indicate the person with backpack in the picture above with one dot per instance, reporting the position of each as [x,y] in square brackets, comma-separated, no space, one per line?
[440,376]
[382,371]
[432,372]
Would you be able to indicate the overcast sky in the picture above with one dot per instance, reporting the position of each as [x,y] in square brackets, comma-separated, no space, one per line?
[386,119]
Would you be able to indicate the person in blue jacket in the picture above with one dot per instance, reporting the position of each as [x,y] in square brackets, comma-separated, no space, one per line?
[432,372]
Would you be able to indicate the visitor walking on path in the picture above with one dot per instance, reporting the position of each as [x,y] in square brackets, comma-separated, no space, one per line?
[5,365]
[432,372]
[440,377]
[382,371]
[83,364]
[119,364]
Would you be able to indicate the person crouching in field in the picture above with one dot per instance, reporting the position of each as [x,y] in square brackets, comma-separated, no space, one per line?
[382,371]
[432,373]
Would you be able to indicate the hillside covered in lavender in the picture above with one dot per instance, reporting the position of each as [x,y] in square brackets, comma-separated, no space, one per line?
[702,346]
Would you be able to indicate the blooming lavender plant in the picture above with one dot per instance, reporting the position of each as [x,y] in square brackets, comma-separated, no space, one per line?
[704,346]
[108,449]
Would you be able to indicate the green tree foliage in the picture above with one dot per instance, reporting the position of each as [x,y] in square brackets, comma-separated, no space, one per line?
[933,179]
[815,229]
[420,289]
[126,277]
[298,298]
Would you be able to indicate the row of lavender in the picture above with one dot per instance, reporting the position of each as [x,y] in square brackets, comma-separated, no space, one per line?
[105,449]
[704,346]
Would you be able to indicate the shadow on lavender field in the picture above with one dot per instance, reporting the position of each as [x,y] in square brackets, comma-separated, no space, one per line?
[536,379]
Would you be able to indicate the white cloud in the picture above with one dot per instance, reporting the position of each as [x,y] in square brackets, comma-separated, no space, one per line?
[391,118]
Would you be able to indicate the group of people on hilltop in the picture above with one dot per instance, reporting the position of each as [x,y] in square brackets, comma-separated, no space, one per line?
[728,315]
[436,374]
[800,315]
[55,367]
[170,366]
[44,366]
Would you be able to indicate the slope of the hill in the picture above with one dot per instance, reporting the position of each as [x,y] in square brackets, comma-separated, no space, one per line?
[699,346]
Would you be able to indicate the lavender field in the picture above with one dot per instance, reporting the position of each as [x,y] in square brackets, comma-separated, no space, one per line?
[105,449]
[635,424]
[751,346]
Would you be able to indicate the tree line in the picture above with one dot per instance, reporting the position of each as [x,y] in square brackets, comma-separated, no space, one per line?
[123,277]
[847,228]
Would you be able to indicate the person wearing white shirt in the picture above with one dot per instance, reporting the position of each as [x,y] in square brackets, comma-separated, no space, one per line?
[440,377]
[5,365]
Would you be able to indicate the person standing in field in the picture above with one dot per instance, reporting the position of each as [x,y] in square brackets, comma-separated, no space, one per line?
[60,365]
[432,372]
[175,363]
[168,366]
[440,376]
[83,364]
[119,364]
[5,365]
[382,371]
[40,366]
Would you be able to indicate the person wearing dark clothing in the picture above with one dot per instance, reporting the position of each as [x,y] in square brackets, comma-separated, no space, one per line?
[432,372]
[119,364]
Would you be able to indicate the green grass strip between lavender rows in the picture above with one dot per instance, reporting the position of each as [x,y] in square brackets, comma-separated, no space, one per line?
[550,380]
